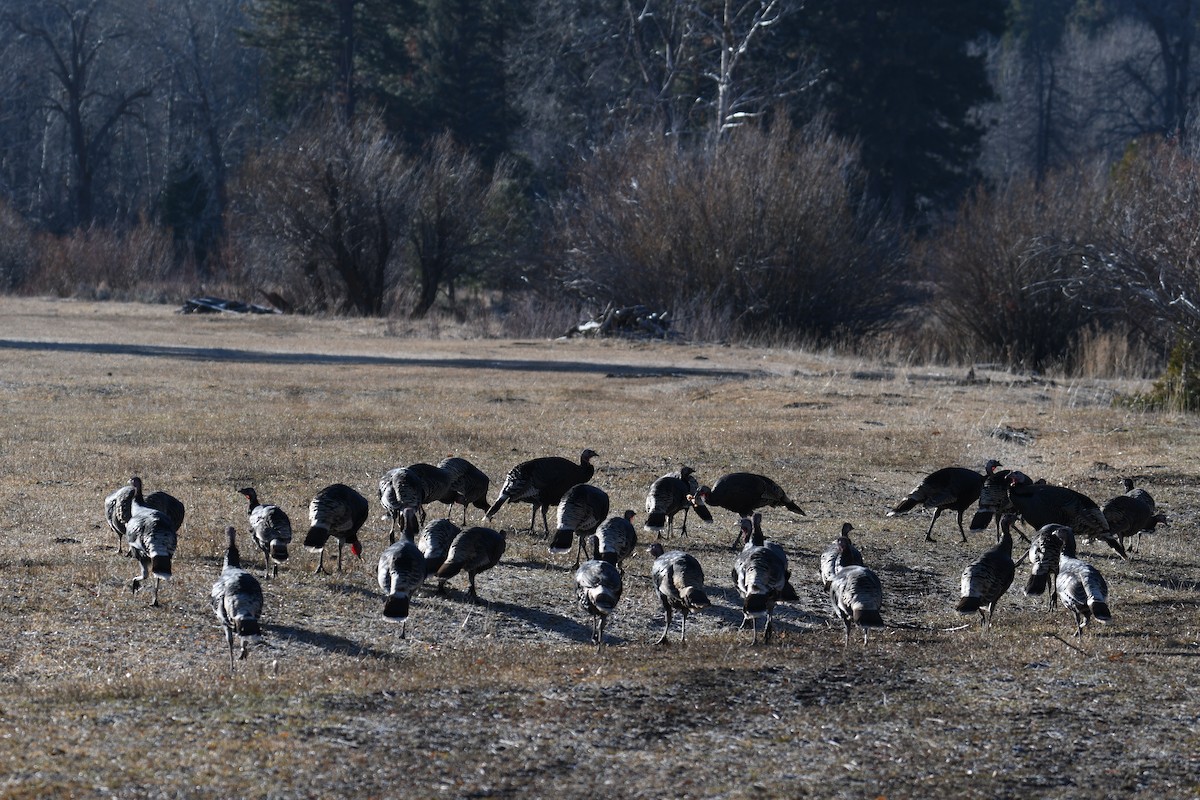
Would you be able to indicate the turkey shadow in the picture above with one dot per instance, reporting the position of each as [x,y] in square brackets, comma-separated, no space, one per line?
[328,642]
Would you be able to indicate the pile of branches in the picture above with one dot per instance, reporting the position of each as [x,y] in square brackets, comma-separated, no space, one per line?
[631,322]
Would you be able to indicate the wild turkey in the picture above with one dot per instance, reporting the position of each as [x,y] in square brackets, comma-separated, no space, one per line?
[411,486]
[389,501]
[750,531]
[434,542]
[743,492]
[475,550]
[598,588]
[841,553]
[1042,504]
[1082,590]
[152,539]
[857,597]
[1130,514]
[580,512]
[679,583]
[1044,550]
[401,572]
[272,531]
[237,600]
[994,501]
[760,574]
[543,482]
[953,488]
[468,485]
[336,511]
[670,494]
[986,579]
[118,507]
[615,540]
[168,504]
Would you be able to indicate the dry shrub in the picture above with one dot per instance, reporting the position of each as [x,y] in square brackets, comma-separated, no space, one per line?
[103,263]
[996,273]
[765,227]
[17,256]
[321,216]
[1114,352]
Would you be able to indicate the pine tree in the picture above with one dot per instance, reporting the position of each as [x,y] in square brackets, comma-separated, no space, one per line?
[336,52]
[902,78]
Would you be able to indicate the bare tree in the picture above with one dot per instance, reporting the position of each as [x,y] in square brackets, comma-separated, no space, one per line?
[76,36]
[208,105]
[323,215]
[458,223]
[735,26]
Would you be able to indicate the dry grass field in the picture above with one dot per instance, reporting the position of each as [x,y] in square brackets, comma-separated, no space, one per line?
[104,696]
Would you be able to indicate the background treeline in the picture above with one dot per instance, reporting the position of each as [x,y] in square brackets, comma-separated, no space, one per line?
[1004,180]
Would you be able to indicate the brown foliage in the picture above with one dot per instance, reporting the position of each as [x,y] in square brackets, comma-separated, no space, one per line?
[320,216]
[996,273]
[764,225]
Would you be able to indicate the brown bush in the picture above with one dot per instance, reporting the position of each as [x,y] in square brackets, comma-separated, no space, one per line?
[138,264]
[17,255]
[998,275]
[320,217]
[765,227]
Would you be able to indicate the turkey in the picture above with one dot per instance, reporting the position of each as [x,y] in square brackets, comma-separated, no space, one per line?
[171,506]
[841,553]
[857,597]
[1042,504]
[1081,589]
[468,485]
[760,574]
[237,600]
[1131,513]
[434,542]
[543,482]
[679,583]
[615,540]
[580,512]
[743,492]
[670,494]
[336,511]
[475,550]
[954,488]
[986,580]
[411,486]
[598,588]
[401,571]
[152,538]
[1044,550]
[118,507]
[272,531]
[749,531]
[994,502]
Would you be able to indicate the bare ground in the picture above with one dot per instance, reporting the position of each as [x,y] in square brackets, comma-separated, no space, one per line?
[101,695]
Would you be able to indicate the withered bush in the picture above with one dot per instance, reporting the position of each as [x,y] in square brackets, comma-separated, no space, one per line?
[765,227]
[1000,275]
[17,254]
[320,217]
[138,264]
[337,218]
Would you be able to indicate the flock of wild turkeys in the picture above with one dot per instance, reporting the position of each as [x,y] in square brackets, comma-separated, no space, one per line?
[147,525]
